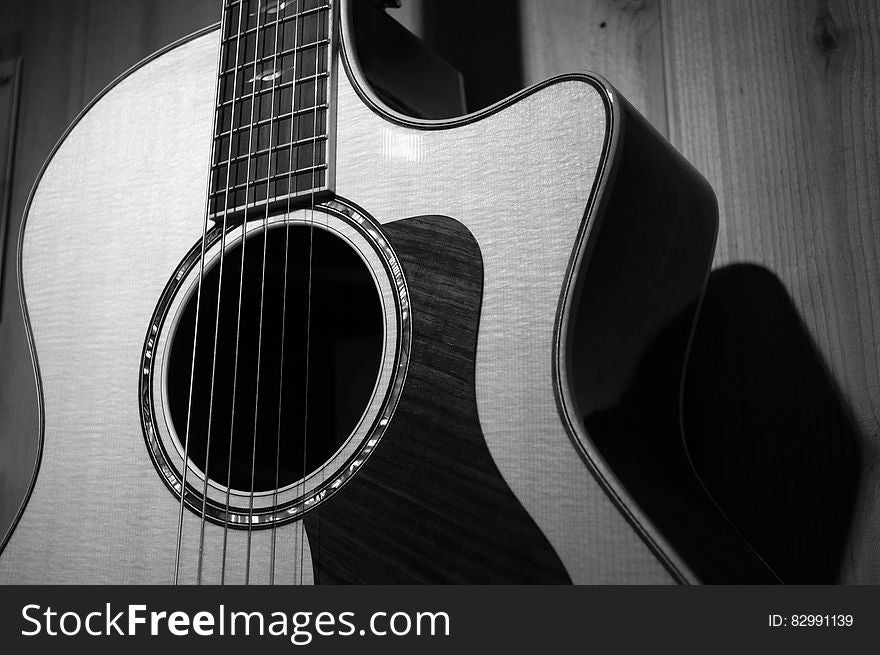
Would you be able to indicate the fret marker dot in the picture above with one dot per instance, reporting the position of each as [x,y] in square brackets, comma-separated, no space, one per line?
[267,76]
[275,7]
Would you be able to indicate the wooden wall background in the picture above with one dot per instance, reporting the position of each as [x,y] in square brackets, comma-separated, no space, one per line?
[775,102]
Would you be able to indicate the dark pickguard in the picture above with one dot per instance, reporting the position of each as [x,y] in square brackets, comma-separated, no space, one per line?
[430,506]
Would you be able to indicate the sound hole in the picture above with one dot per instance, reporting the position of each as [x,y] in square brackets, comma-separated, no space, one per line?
[306,363]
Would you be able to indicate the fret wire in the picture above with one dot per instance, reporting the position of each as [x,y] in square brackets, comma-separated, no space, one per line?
[268,58]
[284,85]
[281,82]
[264,153]
[275,149]
[260,62]
[286,19]
[301,189]
[234,3]
[302,111]
[238,186]
[303,46]
[277,117]
[274,178]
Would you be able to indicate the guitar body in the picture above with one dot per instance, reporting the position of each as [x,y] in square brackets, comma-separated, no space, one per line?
[486,471]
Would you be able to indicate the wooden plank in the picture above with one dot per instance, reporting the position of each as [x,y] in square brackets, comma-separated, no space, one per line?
[621,41]
[777,104]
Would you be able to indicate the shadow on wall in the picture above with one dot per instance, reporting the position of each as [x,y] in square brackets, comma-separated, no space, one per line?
[767,428]
[482,40]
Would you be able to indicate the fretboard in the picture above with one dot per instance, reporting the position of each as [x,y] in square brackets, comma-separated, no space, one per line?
[272,121]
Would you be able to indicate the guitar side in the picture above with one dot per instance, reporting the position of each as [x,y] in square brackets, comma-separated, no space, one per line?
[533,215]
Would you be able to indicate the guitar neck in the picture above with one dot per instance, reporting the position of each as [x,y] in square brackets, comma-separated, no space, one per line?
[274,111]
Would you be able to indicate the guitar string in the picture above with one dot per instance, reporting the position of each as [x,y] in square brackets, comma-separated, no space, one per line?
[290,178]
[219,288]
[311,253]
[240,291]
[274,78]
[196,326]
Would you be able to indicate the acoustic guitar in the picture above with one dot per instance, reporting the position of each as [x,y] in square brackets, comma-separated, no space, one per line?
[283,333]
